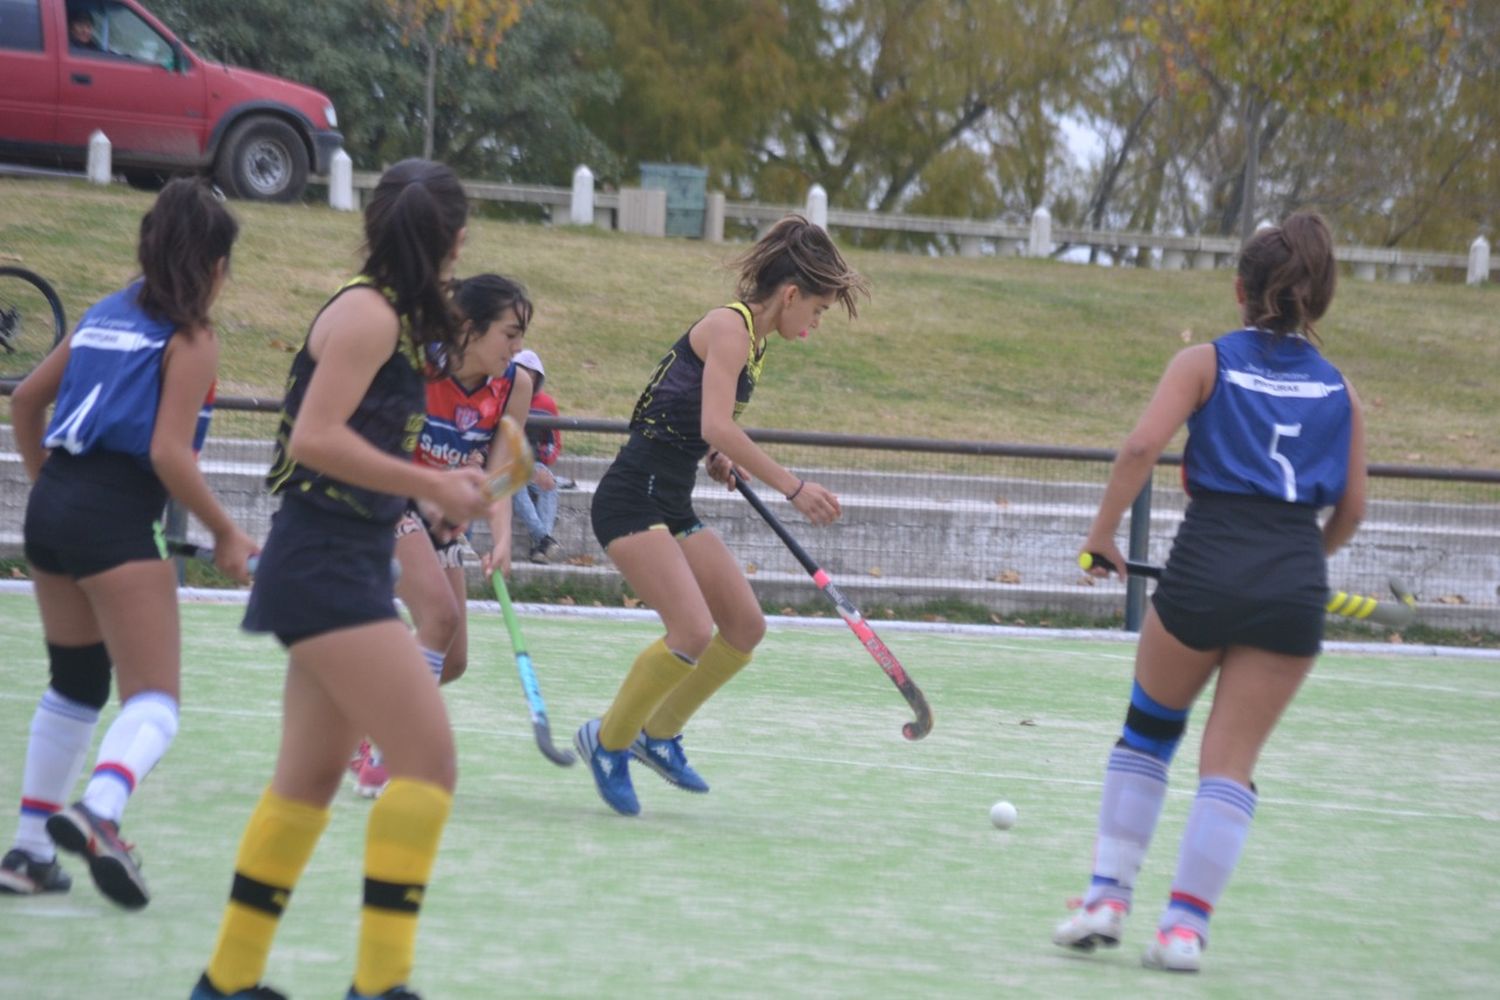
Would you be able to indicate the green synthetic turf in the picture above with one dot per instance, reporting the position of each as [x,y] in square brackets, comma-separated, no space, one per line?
[832,858]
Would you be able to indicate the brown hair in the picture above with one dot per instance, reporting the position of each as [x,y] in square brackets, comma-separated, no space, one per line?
[184,235]
[412,223]
[795,250]
[1289,274]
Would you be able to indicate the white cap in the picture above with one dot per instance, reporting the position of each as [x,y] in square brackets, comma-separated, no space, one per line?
[529,359]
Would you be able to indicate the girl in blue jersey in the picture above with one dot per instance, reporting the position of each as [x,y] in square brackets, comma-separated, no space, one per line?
[354,406]
[643,514]
[132,386]
[1274,434]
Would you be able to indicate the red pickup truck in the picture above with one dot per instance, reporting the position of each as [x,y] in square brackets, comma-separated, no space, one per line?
[68,67]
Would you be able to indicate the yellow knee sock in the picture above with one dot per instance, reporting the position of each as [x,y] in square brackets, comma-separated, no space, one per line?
[652,677]
[716,667]
[400,847]
[278,840]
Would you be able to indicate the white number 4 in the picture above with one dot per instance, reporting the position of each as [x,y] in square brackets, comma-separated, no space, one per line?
[1290,474]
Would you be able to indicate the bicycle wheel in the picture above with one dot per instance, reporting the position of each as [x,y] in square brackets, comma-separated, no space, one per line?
[31,321]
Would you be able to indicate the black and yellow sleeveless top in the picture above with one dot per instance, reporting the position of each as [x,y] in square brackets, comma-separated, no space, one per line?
[671,409]
[389,416]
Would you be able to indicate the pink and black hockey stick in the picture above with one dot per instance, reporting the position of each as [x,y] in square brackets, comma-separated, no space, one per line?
[913,730]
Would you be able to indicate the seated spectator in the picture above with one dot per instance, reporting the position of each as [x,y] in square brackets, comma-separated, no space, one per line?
[536,505]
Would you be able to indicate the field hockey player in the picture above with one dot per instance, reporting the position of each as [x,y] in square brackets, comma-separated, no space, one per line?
[1274,434]
[134,390]
[354,405]
[464,410]
[643,515]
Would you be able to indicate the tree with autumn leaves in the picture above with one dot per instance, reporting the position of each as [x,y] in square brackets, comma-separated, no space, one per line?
[1192,116]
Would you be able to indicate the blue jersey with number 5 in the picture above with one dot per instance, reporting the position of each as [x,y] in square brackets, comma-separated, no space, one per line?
[1276,425]
[112,384]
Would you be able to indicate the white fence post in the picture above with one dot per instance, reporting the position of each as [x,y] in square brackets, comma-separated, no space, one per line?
[100,171]
[1173,260]
[1479,261]
[713,217]
[1364,270]
[817,206]
[341,182]
[1041,233]
[581,208]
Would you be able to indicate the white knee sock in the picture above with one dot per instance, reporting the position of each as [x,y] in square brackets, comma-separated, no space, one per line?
[131,747]
[1211,846]
[61,731]
[1135,786]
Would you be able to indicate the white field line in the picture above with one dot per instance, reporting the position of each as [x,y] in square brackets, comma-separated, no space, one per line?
[839,762]
[206,595]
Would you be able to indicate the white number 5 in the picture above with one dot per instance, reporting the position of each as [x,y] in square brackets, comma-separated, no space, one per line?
[1281,431]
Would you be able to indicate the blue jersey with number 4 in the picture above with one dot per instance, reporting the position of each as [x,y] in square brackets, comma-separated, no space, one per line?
[1277,424]
[112,383]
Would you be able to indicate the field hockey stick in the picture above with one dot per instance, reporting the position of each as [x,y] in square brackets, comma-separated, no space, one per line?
[1392,614]
[539,724]
[205,554]
[914,730]
[515,463]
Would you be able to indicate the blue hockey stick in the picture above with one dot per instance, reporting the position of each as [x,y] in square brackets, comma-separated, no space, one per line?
[539,724]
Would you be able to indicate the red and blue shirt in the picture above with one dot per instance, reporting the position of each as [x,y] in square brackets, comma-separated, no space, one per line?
[461,422]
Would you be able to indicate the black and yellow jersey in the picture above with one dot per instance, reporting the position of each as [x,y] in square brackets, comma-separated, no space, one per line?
[671,409]
[389,416]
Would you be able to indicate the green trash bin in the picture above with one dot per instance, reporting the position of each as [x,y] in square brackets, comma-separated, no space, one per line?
[686,195]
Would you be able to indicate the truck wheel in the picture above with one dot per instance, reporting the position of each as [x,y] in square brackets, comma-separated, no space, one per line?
[263,159]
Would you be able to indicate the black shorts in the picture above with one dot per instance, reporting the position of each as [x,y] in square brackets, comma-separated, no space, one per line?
[649,485]
[321,571]
[1245,571]
[90,513]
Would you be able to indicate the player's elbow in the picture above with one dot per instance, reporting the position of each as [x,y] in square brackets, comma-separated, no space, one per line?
[1139,448]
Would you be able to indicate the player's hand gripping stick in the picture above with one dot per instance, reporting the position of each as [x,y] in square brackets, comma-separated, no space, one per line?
[1395,614]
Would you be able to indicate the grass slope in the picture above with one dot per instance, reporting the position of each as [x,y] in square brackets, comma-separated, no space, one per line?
[1003,350]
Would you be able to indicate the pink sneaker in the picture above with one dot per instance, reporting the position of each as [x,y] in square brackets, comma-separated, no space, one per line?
[357,762]
[1091,926]
[372,778]
[1176,950]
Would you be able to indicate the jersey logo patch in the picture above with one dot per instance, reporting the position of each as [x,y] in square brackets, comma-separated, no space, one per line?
[466,417]
[1281,387]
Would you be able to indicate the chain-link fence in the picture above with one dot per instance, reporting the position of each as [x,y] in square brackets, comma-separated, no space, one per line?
[930,523]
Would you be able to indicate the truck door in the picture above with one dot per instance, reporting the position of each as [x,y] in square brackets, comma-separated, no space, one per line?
[145,92]
[28,83]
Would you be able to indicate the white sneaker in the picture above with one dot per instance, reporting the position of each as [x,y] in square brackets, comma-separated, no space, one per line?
[1092,926]
[1176,950]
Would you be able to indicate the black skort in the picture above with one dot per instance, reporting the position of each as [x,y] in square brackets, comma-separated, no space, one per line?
[321,571]
[649,485]
[1245,571]
[90,513]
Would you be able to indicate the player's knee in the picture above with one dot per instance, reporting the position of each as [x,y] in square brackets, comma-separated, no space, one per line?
[156,709]
[454,667]
[746,634]
[441,626]
[1152,728]
[80,673]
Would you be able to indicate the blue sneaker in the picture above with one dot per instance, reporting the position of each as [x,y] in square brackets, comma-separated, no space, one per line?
[611,770]
[666,758]
[394,993]
[205,990]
